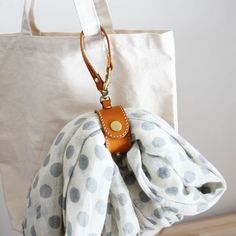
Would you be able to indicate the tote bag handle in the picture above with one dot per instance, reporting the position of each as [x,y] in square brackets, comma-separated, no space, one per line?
[92,14]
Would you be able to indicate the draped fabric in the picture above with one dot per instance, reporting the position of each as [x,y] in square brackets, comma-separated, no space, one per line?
[81,189]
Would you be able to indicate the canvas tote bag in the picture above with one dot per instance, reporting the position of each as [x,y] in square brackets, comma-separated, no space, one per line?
[44,84]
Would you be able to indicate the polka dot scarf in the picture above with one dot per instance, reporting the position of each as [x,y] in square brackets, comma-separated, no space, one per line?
[81,189]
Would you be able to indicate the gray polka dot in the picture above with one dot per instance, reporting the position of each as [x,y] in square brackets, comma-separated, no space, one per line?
[69,229]
[89,125]
[83,218]
[35,181]
[147,125]
[74,195]
[158,142]
[101,207]
[143,196]
[45,191]
[172,190]
[59,138]
[189,176]
[163,172]
[100,151]
[46,161]
[80,121]
[91,185]
[38,212]
[158,213]
[32,231]
[83,162]
[130,179]
[122,199]
[70,151]
[54,222]
[128,228]
[108,173]
[56,169]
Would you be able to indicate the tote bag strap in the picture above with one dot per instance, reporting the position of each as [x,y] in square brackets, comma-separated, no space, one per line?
[92,14]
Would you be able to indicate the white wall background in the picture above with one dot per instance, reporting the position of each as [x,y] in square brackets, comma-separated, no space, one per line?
[205,34]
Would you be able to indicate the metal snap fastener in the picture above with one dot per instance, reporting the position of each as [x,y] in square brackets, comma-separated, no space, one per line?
[116,125]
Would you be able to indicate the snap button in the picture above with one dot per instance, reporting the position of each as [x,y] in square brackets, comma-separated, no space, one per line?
[116,125]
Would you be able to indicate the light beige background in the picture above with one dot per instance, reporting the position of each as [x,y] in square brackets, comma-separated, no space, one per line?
[205,34]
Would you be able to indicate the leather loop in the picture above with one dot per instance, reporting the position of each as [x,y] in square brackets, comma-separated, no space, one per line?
[115,124]
[117,141]
[96,77]
[114,114]
[106,103]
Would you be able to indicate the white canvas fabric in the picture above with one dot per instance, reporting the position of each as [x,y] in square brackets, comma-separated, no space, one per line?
[81,189]
[44,84]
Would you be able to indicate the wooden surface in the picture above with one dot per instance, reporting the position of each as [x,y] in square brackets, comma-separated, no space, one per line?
[224,225]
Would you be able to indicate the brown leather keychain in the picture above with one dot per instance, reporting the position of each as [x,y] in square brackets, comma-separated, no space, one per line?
[115,124]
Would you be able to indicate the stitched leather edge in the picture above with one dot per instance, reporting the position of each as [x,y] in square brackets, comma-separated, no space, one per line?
[107,129]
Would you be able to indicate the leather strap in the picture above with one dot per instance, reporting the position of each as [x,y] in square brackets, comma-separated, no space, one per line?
[96,77]
[116,140]
[115,124]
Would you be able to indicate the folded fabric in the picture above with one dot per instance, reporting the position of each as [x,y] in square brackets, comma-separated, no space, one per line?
[81,189]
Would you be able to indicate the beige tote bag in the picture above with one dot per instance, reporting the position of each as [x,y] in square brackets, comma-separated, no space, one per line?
[44,84]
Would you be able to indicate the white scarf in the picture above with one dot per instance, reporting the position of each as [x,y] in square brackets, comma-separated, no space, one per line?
[82,190]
